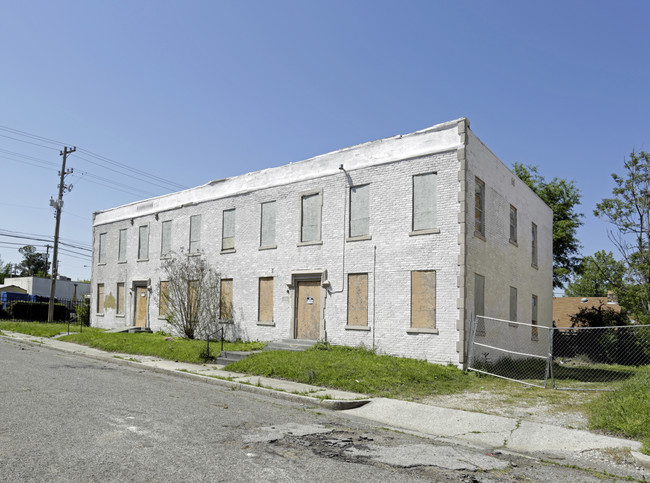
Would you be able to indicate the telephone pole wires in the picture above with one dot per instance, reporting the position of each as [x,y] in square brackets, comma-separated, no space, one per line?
[58,206]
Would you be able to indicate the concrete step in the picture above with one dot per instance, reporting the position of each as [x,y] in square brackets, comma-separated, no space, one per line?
[130,330]
[226,357]
[290,345]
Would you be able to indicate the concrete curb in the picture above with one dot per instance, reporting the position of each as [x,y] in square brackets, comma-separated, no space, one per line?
[332,404]
[642,459]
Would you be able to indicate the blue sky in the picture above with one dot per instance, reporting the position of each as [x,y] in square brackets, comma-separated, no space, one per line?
[191,91]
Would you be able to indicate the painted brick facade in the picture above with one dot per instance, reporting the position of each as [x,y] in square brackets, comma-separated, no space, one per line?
[387,255]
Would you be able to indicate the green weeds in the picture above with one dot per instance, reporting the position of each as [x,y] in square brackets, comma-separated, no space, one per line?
[358,370]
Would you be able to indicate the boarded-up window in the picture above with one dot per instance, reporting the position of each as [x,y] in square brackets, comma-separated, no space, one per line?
[143,243]
[534,244]
[265,302]
[310,211]
[225,309]
[423,299]
[479,303]
[102,248]
[228,230]
[166,238]
[195,233]
[100,298]
[358,299]
[163,301]
[513,224]
[513,304]
[479,207]
[360,210]
[267,225]
[121,250]
[120,298]
[424,201]
[533,317]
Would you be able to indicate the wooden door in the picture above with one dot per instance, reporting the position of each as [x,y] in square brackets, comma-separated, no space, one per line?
[141,306]
[308,310]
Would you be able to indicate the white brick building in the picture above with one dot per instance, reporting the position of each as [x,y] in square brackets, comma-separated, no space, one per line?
[394,244]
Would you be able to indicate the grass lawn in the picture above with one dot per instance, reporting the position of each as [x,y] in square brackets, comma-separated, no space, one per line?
[177,349]
[625,411]
[359,370]
[42,329]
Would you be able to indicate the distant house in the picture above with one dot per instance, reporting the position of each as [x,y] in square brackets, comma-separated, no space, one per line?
[566,307]
[12,289]
[39,286]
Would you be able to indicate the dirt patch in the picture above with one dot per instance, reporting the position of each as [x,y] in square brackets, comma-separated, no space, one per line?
[547,406]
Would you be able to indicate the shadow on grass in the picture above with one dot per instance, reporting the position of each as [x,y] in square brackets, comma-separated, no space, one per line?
[579,370]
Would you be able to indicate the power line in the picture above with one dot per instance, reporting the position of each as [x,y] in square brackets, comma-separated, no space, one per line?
[106,160]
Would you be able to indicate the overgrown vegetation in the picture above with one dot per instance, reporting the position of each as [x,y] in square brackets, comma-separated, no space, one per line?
[625,411]
[157,345]
[359,370]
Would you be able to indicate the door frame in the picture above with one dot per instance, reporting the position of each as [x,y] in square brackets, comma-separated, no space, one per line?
[310,276]
[135,285]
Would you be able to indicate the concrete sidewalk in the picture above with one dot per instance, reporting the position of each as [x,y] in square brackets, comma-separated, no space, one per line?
[476,429]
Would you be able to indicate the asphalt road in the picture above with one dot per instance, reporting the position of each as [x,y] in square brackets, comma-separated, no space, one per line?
[67,418]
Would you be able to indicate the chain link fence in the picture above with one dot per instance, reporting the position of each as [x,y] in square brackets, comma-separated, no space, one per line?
[579,358]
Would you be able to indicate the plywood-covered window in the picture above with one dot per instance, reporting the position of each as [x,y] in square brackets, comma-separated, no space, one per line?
[100,298]
[424,201]
[121,246]
[513,304]
[423,299]
[533,246]
[479,303]
[121,293]
[101,258]
[163,299]
[358,299]
[228,230]
[195,234]
[310,217]
[533,317]
[143,242]
[360,210]
[513,224]
[267,225]
[225,307]
[479,207]
[265,300]
[165,238]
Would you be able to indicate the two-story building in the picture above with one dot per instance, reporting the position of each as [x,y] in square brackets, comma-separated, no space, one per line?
[394,244]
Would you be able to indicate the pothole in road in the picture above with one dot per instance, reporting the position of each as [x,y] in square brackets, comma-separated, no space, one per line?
[374,449]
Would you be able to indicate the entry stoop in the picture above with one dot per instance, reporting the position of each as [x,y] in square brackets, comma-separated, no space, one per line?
[290,345]
[130,330]
[226,357]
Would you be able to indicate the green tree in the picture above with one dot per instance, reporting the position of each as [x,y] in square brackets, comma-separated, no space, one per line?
[33,262]
[5,270]
[562,196]
[597,275]
[628,210]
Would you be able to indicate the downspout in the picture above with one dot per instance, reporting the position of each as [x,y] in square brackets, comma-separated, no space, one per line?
[345,196]
[374,291]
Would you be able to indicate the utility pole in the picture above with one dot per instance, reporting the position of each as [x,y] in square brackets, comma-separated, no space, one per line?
[58,205]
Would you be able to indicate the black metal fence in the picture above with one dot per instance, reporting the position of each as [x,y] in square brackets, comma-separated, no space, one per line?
[37,310]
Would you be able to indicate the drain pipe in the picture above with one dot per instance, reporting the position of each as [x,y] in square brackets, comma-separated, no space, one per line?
[374,292]
[345,198]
